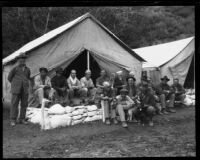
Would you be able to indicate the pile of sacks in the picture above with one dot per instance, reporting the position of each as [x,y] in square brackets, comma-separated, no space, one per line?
[190,97]
[59,116]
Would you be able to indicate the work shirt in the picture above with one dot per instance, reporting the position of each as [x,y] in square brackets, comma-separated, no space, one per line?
[100,80]
[148,99]
[178,88]
[19,78]
[58,82]
[125,101]
[70,83]
[132,90]
[161,87]
[87,83]
[39,83]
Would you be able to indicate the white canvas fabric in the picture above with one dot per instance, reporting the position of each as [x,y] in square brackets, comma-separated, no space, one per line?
[171,59]
[64,44]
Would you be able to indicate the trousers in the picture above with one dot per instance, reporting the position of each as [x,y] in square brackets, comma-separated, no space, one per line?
[14,111]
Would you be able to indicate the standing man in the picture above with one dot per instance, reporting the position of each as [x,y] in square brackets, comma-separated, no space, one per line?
[19,77]
[179,91]
[124,102]
[165,93]
[74,85]
[40,81]
[88,89]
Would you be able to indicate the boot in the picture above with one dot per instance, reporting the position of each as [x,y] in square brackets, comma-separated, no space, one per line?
[124,124]
[164,111]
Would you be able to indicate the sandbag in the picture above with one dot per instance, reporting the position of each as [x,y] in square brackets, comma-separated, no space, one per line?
[192,97]
[84,115]
[69,114]
[79,107]
[92,108]
[77,117]
[74,122]
[60,121]
[56,109]
[69,109]
[92,113]
[78,112]
[94,118]
[187,101]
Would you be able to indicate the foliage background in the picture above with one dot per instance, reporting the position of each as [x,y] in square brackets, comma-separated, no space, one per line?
[137,26]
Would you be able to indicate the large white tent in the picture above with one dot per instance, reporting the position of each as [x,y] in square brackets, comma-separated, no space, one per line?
[172,59]
[61,46]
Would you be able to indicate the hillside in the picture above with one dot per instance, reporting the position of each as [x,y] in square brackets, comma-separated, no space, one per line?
[137,26]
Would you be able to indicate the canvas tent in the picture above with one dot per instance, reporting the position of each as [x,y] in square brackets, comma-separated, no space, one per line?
[172,59]
[62,46]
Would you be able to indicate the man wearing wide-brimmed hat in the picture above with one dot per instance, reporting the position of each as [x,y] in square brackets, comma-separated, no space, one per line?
[19,77]
[166,93]
[124,102]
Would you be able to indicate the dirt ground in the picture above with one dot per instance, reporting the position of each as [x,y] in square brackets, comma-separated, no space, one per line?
[172,135]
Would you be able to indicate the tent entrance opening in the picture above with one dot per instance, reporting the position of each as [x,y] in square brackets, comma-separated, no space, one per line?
[80,65]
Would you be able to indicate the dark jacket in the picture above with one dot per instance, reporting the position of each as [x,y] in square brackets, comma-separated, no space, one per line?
[134,90]
[59,82]
[19,79]
[178,88]
[161,88]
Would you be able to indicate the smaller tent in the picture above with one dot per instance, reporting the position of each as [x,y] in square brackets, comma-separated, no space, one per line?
[172,59]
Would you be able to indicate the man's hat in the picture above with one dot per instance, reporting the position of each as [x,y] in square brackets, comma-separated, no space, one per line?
[132,77]
[144,78]
[43,69]
[165,78]
[59,70]
[22,56]
[124,91]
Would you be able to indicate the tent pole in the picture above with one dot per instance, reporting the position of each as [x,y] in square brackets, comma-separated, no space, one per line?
[88,60]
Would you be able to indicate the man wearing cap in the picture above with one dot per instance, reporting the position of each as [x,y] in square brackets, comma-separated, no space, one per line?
[119,82]
[165,93]
[59,84]
[40,81]
[74,85]
[107,97]
[88,89]
[124,102]
[19,77]
[179,90]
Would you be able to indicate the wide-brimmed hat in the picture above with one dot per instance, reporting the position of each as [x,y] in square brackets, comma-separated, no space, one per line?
[59,70]
[132,77]
[165,78]
[124,91]
[43,69]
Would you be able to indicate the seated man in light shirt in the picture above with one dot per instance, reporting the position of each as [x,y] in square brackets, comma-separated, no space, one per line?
[88,89]
[74,85]
[40,81]
[124,102]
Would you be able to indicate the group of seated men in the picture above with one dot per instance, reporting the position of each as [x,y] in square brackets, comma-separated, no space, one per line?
[115,94]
